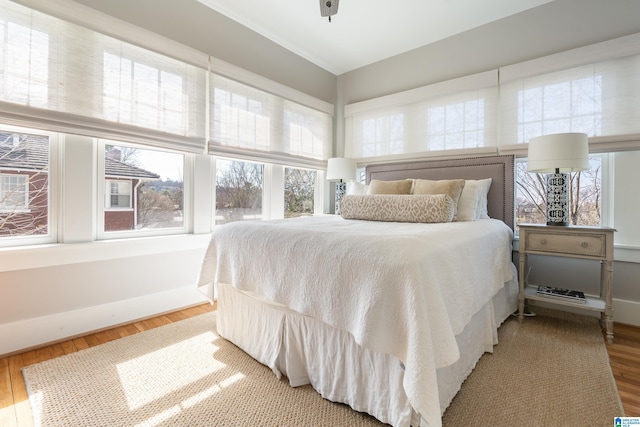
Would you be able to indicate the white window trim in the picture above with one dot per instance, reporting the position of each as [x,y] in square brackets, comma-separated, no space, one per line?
[55,152]
[101,234]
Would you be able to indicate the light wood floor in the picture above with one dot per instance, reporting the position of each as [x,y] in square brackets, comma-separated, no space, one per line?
[624,354]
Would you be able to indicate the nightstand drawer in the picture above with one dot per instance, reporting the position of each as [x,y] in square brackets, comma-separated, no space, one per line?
[587,244]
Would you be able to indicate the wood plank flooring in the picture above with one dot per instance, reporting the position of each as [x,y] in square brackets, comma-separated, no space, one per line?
[15,411]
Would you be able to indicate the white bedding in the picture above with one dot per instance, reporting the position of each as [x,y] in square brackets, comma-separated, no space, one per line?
[308,351]
[400,289]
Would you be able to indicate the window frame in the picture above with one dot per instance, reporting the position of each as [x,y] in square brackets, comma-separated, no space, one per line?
[606,189]
[56,148]
[101,196]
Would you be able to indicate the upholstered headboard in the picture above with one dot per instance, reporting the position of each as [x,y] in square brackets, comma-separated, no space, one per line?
[498,168]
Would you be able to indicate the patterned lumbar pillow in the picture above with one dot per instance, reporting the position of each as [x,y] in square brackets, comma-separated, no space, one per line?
[398,207]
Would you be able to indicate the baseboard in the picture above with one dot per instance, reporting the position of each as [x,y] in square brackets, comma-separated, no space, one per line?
[627,312]
[30,333]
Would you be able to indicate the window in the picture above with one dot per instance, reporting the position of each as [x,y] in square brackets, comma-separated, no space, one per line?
[454,126]
[239,188]
[585,194]
[143,190]
[383,135]
[25,65]
[257,125]
[299,190]
[118,194]
[24,184]
[459,114]
[573,105]
[144,95]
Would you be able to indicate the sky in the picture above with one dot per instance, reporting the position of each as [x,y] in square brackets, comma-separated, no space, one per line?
[167,165]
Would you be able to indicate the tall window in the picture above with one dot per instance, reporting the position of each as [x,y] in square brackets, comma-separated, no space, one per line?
[585,194]
[24,184]
[143,189]
[459,114]
[24,65]
[144,95]
[383,135]
[299,190]
[239,188]
[573,105]
[239,120]
[454,126]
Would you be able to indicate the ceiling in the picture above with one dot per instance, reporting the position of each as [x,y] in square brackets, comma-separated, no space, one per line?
[363,31]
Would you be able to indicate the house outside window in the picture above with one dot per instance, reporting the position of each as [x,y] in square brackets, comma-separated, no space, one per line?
[24,184]
[143,190]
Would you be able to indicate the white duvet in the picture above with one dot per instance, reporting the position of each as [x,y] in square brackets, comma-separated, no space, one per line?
[398,288]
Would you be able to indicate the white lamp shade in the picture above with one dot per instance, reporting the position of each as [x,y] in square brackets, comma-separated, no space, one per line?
[341,168]
[566,152]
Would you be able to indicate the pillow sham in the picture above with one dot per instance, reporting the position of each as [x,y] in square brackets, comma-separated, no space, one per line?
[451,187]
[427,208]
[402,186]
[473,200]
[484,185]
[357,188]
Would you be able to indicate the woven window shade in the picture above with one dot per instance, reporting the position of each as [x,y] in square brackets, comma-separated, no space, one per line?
[64,77]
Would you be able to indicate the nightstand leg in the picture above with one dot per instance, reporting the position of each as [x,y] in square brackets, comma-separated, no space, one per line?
[521,277]
[607,316]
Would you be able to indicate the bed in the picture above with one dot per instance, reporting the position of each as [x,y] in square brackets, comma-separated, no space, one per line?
[388,317]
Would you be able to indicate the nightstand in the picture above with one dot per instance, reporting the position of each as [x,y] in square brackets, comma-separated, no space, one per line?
[595,243]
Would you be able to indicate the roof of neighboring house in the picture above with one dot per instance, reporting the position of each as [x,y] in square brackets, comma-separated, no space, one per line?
[30,152]
[24,152]
[115,168]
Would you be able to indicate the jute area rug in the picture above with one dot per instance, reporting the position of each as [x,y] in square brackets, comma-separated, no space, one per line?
[549,370]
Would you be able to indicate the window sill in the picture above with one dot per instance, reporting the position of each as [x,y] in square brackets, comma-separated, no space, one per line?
[38,256]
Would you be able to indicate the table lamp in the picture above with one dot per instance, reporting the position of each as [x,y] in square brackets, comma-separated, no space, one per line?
[556,155]
[341,169]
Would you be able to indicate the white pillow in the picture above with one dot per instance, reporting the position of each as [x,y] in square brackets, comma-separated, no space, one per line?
[473,200]
[468,203]
[483,190]
[357,188]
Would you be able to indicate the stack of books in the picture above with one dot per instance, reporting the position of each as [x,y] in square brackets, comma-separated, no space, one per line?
[560,293]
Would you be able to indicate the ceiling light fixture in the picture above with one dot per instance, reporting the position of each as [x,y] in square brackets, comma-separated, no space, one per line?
[328,8]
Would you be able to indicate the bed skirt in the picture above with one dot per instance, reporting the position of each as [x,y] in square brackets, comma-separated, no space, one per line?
[308,351]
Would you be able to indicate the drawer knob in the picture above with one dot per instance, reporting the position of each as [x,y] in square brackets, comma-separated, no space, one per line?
[584,244]
[543,241]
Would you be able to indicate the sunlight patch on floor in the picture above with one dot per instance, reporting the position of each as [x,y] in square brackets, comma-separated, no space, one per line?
[190,402]
[143,383]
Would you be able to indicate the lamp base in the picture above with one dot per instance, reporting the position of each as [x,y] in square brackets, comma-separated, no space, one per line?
[558,199]
[341,189]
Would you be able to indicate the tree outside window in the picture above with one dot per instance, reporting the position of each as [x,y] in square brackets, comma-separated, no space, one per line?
[585,195]
[238,191]
[24,184]
[299,186]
